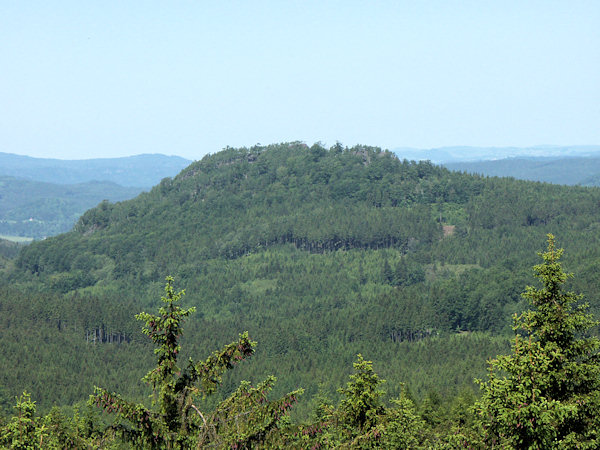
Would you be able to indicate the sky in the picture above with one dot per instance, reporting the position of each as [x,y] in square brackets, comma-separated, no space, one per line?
[92,79]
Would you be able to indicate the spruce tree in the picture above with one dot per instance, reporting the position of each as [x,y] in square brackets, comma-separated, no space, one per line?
[361,420]
[243,419]
[546,393]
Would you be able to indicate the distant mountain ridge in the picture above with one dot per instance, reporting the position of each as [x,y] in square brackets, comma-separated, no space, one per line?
[444,155]
[143,171]
[583,171]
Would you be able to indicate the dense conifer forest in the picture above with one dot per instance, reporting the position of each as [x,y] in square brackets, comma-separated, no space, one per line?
[320,255]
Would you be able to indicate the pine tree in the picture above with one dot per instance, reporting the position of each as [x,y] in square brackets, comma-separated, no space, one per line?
[546,393]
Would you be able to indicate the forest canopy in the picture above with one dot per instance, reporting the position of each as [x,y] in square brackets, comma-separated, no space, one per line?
[545,394]
[320,254]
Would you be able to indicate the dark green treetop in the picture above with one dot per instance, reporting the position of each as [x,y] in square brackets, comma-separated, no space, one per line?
[362,397]
[546,393]
[362,420]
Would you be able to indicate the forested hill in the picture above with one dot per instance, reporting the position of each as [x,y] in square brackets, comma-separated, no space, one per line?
[240,201]
[319,253]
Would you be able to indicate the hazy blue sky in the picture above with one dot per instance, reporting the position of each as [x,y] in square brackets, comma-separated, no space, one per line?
[81,79]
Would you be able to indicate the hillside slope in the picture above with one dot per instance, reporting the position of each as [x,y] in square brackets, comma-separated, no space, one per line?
[319,253]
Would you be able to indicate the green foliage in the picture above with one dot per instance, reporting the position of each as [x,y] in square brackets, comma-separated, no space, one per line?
[164,329]
[245,417]
[403,427]
[289,242]
[24,431]
[546,393]
[53,431]
[361,403]
[9,249]
[361,420]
